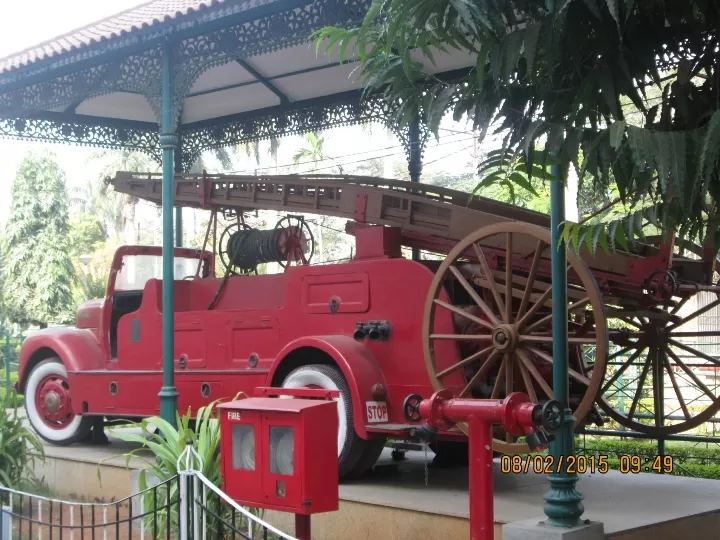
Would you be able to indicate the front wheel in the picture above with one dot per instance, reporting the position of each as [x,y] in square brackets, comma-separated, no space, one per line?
[350,446]
[48,405]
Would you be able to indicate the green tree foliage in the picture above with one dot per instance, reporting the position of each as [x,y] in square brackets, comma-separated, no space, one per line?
[86,233]
[312,153]
[93,272]
[564,79]
[87,238]
[4,319]
[252,149]
[115,210]
[330,239]
[38,272]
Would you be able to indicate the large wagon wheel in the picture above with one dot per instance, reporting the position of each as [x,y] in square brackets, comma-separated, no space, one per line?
[654,380]
[479,344]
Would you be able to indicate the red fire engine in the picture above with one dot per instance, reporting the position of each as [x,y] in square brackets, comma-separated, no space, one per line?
[376,329]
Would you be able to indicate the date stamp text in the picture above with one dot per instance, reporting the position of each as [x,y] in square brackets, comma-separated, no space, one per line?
[626,464]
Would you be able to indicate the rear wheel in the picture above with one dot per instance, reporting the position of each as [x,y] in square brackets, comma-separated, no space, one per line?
[49,406]
[662,374]
[450,453]
[350,446]
[487,327]
[370,454]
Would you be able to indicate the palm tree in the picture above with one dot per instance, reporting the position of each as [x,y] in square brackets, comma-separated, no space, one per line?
[221,154]
[313,152]
[116,210]
[252,150]
[226,155]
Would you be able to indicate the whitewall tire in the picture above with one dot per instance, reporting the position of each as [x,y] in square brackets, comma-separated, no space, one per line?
[350,446]
[48,405]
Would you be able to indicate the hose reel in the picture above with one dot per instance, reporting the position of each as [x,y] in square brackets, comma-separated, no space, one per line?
[243,248]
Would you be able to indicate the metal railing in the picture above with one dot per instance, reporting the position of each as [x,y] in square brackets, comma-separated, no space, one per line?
[27,516]
[185,506]
[206,513]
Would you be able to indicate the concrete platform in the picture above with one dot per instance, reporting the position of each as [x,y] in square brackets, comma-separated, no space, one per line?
[394,503]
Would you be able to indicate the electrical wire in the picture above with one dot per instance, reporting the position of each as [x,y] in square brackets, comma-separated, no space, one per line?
[378,157]
[340,165]
[329,158]
[315,222]
[443,157]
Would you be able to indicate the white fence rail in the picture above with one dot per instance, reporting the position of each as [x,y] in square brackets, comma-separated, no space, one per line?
[187,506]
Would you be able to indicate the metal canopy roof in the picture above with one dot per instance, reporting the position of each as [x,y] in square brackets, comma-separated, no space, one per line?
[243,69]
[267,80]
[148,14]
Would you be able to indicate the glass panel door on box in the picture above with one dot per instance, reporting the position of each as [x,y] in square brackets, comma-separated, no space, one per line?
[282,483]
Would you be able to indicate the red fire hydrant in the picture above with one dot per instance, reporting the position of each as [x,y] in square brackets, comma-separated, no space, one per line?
[516,413]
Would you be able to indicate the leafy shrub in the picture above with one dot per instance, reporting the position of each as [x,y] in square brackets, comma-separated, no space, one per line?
[682,454]
[688,459]
[15,400]
[19,447]
[167,444]
[711,472]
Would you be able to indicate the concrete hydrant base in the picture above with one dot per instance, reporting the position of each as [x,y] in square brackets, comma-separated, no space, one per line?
[536,529]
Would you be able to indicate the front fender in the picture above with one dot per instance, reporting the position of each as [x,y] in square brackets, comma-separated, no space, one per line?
[78,349]
[356,362]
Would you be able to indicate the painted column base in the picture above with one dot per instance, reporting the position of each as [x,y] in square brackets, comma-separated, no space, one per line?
[537,529]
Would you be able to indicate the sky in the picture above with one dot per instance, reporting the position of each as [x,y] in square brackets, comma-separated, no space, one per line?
[21,27]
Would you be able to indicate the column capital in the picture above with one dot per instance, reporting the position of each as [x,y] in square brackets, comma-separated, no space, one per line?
[169,141]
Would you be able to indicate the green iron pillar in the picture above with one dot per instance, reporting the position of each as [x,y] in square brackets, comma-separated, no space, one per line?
[414,161]
[178,210]
[563,505]
[168,142]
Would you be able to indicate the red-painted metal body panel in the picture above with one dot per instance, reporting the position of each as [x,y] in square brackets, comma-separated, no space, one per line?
[89,315]
[376,242]
[78,349]
[260,328]
[305,486]
[358,365]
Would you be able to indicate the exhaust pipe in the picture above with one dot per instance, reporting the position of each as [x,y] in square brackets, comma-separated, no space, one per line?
[373,330]
[359,334]
[379,331]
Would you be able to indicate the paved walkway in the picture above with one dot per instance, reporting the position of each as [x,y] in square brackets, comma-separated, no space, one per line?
[620,501]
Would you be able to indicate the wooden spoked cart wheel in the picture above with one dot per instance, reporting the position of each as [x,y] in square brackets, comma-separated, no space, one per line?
[487,325]
[662,371]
